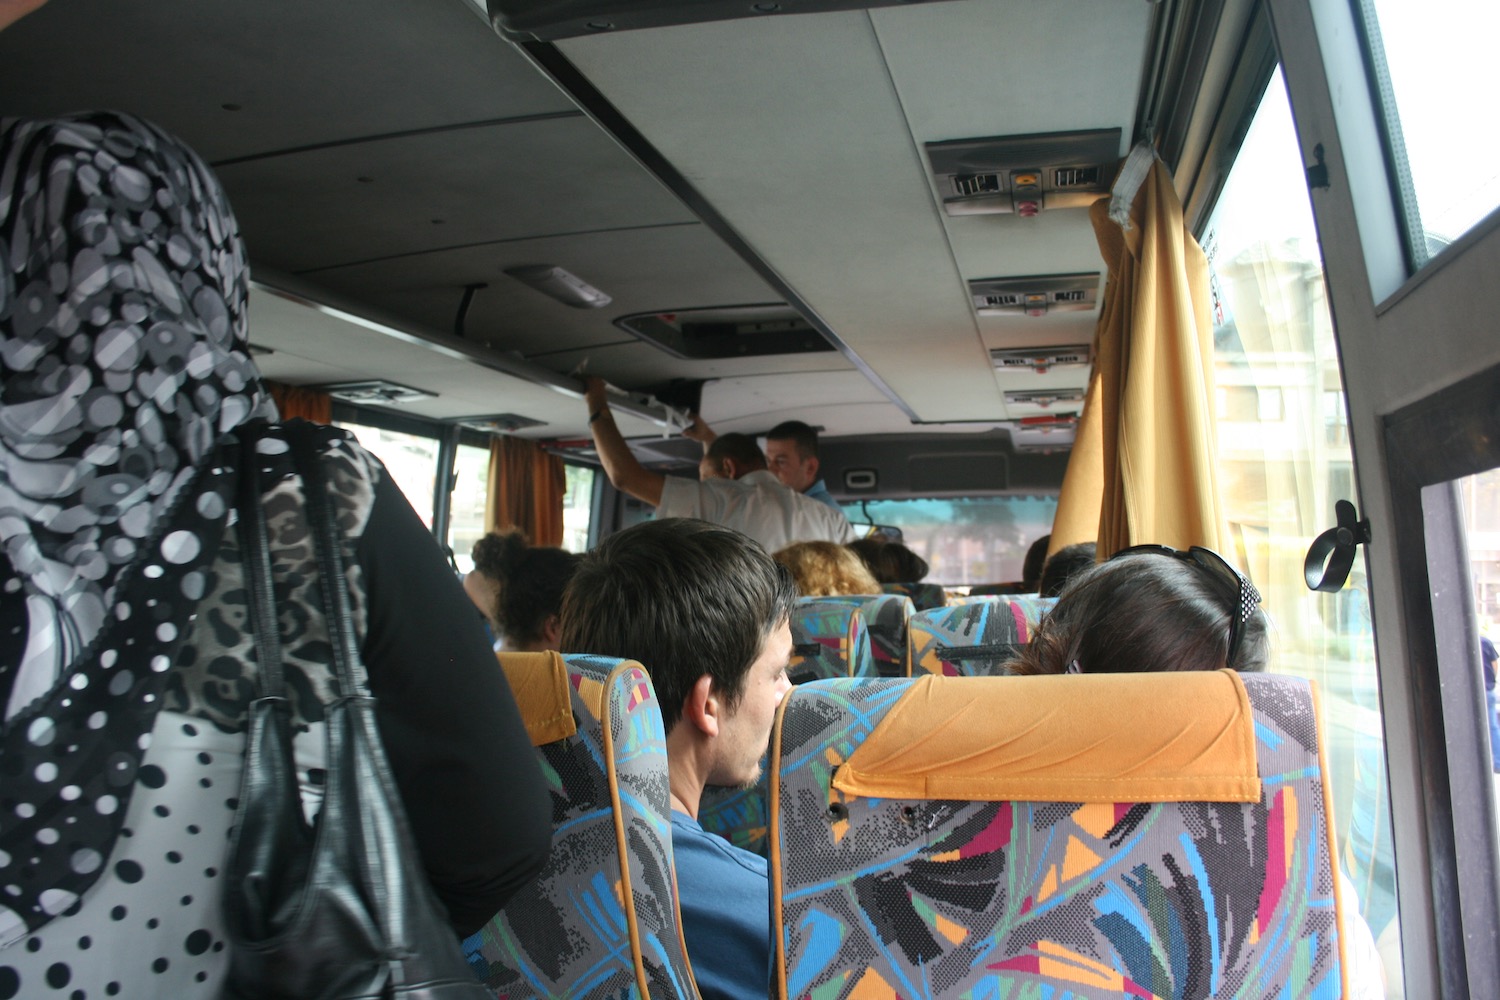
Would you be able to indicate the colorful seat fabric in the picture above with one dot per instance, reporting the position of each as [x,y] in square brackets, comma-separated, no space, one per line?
[924,595]
[974,639]
[1062,837]
[1030,607]
[829,639]
[602,919]
[886,619]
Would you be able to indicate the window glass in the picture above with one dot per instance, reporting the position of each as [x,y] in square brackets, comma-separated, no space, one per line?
[967,540]
[471,491]
[1284,448]
[1442,74]
[578,507]
[411,461]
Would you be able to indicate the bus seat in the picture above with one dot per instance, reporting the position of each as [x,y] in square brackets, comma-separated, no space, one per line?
[1031,607]
[974,639]
[1065,835]
[886,617]
[739,815]
[829,639]
[602,919]
[924,595]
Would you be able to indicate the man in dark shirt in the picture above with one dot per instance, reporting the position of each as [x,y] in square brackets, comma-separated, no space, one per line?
[707,613]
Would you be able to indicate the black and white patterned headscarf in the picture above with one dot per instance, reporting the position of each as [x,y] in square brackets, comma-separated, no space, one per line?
[124,366]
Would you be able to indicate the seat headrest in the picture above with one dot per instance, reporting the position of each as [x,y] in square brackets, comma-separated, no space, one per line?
[539,682]
[1167,737]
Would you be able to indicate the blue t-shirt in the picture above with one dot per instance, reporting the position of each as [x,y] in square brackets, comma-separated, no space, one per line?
[819,491]
[725,894]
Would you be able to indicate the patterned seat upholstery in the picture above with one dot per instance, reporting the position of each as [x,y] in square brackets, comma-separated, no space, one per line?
[1062,837]
[886,619]
[973,639]
[602,919]
[924,595]
[829,639]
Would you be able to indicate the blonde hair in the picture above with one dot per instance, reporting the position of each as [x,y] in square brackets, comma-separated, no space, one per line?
[824,569]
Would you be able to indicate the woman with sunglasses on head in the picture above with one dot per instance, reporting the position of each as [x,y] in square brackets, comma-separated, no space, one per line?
[1151,608]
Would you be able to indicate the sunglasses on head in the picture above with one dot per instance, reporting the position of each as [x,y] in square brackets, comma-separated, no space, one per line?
[1247,598]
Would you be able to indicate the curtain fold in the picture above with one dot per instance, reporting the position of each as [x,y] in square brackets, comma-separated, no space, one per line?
[294,401]
[526,487]
[1151,396]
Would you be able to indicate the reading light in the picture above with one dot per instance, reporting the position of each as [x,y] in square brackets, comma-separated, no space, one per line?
[569,289]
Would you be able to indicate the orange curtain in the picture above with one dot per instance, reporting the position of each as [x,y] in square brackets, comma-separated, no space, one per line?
[309,404]
[526,490]
[1151,397]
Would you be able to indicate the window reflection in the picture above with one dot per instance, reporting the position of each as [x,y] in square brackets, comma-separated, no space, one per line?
[964,540]
[1284,451]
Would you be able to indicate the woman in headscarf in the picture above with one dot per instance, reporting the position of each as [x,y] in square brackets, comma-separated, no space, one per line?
[126,661]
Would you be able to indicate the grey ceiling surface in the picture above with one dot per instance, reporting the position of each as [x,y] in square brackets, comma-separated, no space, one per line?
[382,157]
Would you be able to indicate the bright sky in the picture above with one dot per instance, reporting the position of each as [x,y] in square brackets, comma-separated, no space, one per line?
[1444,69]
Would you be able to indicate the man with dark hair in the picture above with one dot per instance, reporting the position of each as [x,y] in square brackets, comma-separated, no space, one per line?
[707,612]
[1064,564]
[734,488]
[792,454]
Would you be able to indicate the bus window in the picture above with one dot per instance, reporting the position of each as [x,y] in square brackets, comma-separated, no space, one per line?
[471,491]
[410,459]
[1284,453]
[578,506]
[969,540]
[1434,66]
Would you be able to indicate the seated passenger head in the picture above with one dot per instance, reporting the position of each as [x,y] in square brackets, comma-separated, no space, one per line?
[1148,610]
[693,602]
[1036,559]
[792,454]
[1066,563]
[730,457]
[523,588]
[827,569]
[890,562]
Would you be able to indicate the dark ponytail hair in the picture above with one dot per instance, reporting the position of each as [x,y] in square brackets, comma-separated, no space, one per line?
[531,582]
[1143,613]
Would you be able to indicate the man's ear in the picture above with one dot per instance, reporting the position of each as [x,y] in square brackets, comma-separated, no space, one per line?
[731,468]
[552,631]
[813,463]
[702,708]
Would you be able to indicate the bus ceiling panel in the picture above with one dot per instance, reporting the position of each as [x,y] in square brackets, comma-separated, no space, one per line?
[837,403]
[247,79]
[637,364]
[550,20]
[420,194]
[970,70]
[315,345]
[1002,246]
[791,129]
[640,269]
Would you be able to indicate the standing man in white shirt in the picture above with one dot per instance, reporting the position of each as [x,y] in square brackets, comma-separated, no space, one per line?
[737,491]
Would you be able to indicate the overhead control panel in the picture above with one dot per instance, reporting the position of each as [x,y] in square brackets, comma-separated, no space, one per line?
[1024,174]
[1036,295]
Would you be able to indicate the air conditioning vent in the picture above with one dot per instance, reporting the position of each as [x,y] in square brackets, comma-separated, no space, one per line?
[1076,177]
[500,423]
[375,392]
[1044,398]
[1034,296]
[1039,359]
[1024,174]
[969,185]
